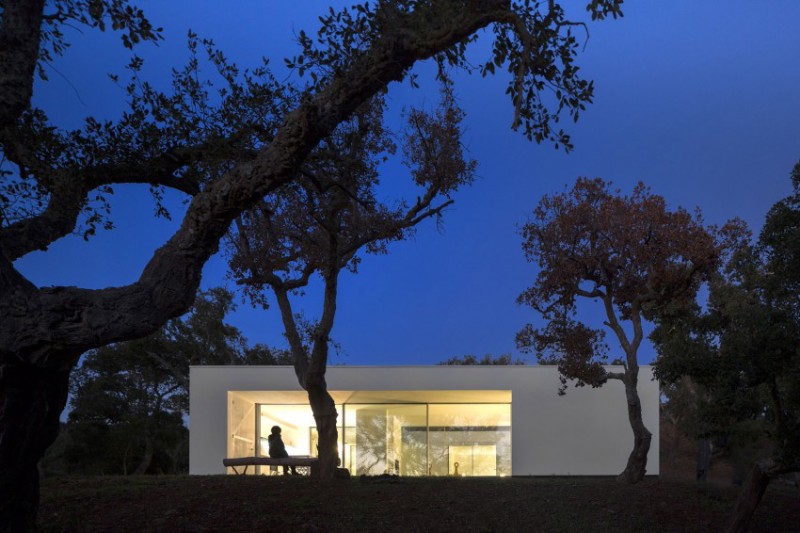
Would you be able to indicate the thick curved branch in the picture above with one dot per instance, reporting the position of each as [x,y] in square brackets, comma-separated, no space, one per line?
[64,206]
[58,219]
[76,319]
[159,170]
[69,193]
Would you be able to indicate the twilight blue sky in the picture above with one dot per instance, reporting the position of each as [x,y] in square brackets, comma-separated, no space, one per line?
[697,99]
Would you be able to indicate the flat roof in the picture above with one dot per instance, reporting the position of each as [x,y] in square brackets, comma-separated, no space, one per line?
[372,397]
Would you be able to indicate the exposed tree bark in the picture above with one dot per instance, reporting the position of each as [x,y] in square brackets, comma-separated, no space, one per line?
[636,467]
[20,34]
[31,401]
[44,330]
[637,460]
[310,368]
[635,256]
[85,319]
[325,416]
[340,219]
[67,198]
[322,404]
[748,499]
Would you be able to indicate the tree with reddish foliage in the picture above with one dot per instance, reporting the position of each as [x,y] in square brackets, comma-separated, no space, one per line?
[629,254]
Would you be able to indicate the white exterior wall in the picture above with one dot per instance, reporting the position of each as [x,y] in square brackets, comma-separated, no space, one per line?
[585,432]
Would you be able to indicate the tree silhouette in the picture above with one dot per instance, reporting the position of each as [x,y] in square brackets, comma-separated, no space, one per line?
[321,223]
[225,151]
[744,348]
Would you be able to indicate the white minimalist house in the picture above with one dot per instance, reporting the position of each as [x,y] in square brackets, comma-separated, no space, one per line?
[423,420]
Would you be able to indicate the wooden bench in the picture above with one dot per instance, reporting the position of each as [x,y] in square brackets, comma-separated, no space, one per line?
[307,464]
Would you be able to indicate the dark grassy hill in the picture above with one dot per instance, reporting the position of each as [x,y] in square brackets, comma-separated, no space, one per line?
[671,502]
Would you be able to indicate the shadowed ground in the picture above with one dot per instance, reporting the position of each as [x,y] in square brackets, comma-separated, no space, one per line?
[243,503]
[672,502]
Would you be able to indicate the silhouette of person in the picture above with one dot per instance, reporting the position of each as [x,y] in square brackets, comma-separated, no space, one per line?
[277,449]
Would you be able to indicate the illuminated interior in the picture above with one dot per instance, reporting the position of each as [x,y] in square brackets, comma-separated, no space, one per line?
[407,433]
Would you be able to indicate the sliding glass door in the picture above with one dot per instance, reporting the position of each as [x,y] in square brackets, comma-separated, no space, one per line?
[382,443]
[403,438]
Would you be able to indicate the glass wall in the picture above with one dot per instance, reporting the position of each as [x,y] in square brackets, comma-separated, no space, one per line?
[470,439]
[382,443]
[298,429]
[241,427]
[402,438]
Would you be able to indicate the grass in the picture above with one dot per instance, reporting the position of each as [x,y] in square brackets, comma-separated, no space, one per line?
[249,503]
[672,502]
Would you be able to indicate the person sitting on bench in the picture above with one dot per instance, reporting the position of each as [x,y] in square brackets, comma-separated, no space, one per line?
[277,449]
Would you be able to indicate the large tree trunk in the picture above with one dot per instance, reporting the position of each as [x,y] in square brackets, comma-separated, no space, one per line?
[310,373]
[31,401]
[316,385]
[748,499]
[69,318]
[325,415]
[637,460]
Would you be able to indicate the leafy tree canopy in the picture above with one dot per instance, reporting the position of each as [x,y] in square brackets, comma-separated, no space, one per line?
[126,412]
[743,348]
[129,399]
[487,359]
[630,254]
[330,214]
[633,256]
[225,145]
